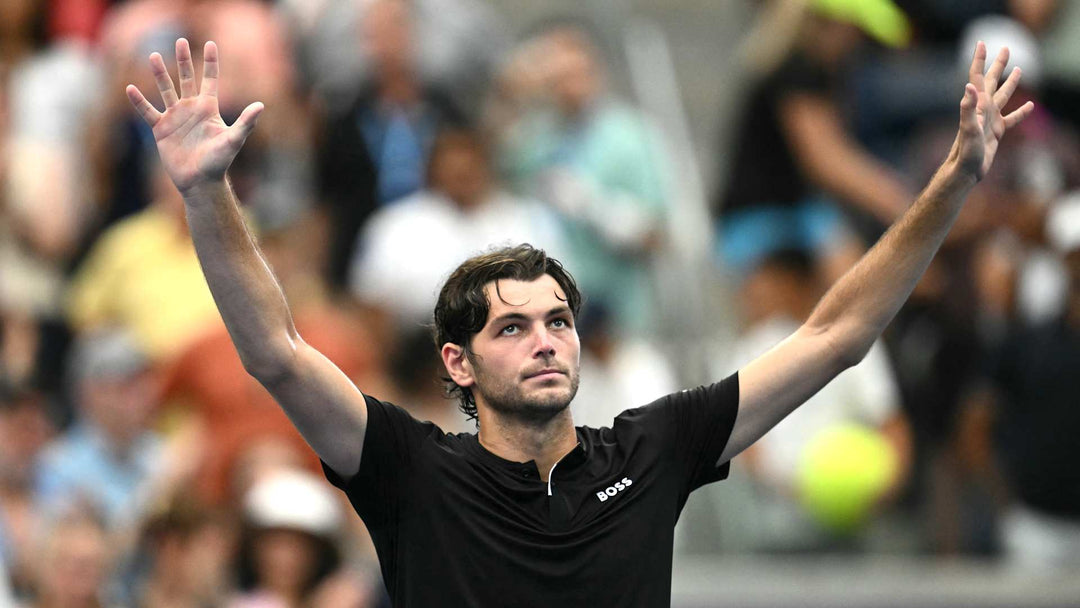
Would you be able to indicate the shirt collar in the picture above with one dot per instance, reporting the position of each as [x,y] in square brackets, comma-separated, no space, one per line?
[572,459]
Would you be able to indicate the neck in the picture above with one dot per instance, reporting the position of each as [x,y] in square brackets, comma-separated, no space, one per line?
[118,443]
[398,87]
[518,441]
[470,203]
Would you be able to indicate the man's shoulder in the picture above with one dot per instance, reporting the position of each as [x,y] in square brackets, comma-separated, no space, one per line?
[403,421]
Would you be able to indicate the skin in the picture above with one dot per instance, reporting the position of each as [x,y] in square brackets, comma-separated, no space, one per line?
[462,175]
[523,370]
[74,565]
[196,148]
[856,310]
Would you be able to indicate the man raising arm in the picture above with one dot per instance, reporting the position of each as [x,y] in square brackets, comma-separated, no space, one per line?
[196,148]
[856,310]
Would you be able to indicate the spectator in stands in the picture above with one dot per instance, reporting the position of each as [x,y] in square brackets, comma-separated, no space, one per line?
[225,411]
[47,86]
[417,373]
[109,459]
[289,551]
[781,294]
[275,172]
[968,301]
[376,151]
[794,160]
[73,561]
[24,430]
[615,370]
[407,250]
[459,44]
[1036,421]
[188,550]
[597,161]
[142,275]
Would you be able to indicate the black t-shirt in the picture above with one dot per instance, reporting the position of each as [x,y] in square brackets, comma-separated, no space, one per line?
[455,525]
[762,168]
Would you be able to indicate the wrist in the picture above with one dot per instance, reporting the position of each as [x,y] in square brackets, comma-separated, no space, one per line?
[959,165]
[204,190]
[956,174]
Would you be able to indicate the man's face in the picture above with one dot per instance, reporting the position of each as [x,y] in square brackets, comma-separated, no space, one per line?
[575,81]
[461,173]
[121,406]
[525,360]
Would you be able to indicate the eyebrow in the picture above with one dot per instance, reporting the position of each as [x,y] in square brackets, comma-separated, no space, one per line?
[517,316]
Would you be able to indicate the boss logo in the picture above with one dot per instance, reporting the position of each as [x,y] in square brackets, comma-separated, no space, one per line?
[615,489]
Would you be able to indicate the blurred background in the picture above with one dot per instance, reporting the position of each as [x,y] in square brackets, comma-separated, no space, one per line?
[705,168]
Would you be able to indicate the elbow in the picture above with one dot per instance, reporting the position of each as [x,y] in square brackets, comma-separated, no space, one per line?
[852,355]
[845,347]
[271,364]
[851,351]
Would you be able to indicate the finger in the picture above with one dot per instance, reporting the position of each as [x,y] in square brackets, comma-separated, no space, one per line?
[978,65]
[145,109]
[1018,115]
[186,68]
[997,68]
[210,70]
[163,80]
[968,121]
[1001,98]
[244,125]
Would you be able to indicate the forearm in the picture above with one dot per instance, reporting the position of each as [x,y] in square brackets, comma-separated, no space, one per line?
[246,293]
[856,310]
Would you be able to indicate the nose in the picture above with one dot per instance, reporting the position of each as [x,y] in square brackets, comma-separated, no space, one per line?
[544,347]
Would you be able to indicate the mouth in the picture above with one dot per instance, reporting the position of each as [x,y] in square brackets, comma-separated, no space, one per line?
[545,373]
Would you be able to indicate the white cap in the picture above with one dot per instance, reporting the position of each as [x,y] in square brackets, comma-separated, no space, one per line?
[1063,223]
[295,500]
[107,353]
[997,31]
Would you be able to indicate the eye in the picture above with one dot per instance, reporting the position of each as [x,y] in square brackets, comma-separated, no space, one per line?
[510,330]
[560,323]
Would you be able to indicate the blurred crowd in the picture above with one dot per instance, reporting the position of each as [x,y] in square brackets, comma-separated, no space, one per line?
[141,466]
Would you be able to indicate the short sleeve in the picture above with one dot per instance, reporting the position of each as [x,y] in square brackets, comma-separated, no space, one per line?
[696,424]
[391,443]
[800,76]
[703,418]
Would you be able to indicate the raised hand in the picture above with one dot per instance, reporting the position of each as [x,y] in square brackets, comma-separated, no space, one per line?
[195,144]
[981,123]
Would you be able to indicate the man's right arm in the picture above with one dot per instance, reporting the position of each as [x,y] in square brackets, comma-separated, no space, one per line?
[196,149]
[321,401]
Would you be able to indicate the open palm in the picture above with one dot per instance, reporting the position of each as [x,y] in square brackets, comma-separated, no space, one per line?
[195,144]
[981,123]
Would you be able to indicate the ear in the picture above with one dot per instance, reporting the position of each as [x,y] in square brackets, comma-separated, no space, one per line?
[457,364]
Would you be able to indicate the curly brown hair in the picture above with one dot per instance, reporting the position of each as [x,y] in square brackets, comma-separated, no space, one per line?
[462,308]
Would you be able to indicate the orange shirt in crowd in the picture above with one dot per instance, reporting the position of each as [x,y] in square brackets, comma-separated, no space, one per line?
[236,411]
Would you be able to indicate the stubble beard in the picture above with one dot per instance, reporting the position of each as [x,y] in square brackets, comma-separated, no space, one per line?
[509,399]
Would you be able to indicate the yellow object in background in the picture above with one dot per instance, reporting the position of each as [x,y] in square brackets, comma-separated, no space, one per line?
[143,275]
[880,19]
[843,472]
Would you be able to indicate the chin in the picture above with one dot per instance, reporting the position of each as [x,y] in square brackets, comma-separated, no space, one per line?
[551,403]
[540,405]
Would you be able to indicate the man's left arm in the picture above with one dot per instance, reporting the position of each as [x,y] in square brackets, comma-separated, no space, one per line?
[856,310]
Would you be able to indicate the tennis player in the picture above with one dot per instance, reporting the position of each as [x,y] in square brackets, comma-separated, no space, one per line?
[531,510]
